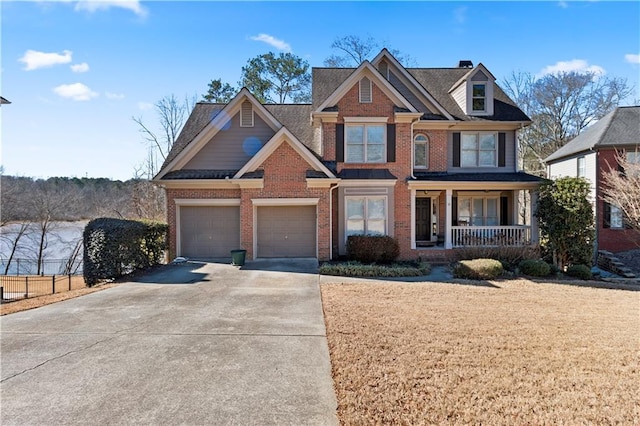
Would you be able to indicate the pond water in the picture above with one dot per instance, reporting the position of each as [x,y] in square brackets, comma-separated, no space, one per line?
[61,242]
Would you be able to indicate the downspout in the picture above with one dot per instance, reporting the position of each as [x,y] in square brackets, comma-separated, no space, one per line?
[331,221]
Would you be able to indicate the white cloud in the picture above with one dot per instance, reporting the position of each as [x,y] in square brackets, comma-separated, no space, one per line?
[93,6]
[577,65]
[632,58]
[563,4]
[114,96]
[83,67]
[75,91]
[460,14]
[34,59]
[271,40]
[145,105]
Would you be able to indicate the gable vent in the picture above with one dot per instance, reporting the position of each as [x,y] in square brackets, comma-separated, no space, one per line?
[246,114]
[365,90]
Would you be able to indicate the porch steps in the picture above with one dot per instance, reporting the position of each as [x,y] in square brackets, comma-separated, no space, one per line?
[609,262]
[435,257]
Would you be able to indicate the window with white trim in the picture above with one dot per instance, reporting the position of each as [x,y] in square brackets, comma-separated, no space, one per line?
[365,143]
[420,151]
[365,91]
[582,168]
[366,216]
[479,149]
[478,211]
[479,97]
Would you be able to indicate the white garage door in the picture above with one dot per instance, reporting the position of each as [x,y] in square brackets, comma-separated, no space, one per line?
[286,231]
[207,231]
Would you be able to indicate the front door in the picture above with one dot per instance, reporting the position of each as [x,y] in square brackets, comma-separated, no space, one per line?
[423,221]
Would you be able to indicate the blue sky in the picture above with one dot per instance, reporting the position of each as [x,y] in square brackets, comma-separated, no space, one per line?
[77,72]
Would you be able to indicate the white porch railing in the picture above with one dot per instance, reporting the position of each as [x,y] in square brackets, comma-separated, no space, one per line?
[490,236]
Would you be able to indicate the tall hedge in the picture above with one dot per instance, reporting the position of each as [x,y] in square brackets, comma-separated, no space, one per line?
[116,247]
[566,221]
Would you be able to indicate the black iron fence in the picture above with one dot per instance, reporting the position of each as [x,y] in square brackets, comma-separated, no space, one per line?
[44,267]
[13,287]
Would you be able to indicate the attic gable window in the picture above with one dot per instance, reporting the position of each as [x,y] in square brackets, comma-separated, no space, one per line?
[246,114]
[479,97]
[365,91]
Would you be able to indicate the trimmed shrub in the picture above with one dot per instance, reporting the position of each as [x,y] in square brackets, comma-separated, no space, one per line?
[357,269]
[580,271]
[116,247]
[535,267]
[478,269]
[372,248]
[508,256]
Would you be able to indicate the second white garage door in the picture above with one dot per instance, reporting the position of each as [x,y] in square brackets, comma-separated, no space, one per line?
[286,231]
[209,232]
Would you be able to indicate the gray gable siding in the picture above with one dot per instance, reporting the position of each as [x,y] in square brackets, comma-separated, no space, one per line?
[510,157]
[407,93]
[233,147]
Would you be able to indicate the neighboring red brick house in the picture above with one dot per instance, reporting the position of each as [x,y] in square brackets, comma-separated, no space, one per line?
[426,155]
[591,154]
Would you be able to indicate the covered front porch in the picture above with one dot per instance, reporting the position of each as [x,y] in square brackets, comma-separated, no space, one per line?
[447,215]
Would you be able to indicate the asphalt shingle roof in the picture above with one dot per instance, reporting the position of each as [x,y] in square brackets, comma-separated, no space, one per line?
[201,115]
[365,174]
[436,81]
[620,127]
[477,177]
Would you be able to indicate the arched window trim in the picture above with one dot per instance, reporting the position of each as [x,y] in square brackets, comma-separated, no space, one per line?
[421,144]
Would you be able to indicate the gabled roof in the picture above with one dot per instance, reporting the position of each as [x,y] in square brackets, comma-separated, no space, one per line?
[204,122]
[4,101]
[438,81]
[435,81]
[620,127]
[385,54]
[470,74]
[283,136]
[368,70]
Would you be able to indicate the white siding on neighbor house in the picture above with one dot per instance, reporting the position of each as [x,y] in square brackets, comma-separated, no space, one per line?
[460,96]
[509,157]
[569,168]
[233,146]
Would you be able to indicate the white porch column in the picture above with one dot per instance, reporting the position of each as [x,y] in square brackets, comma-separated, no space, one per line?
[447,218]
[535,230]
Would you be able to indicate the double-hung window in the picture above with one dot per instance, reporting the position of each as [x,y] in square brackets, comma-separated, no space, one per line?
[478,149]
[582,168]
[365,143]
[366,216]
[479,97]
[477,211]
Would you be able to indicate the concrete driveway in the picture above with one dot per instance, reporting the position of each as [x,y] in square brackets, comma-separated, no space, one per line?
[195,344]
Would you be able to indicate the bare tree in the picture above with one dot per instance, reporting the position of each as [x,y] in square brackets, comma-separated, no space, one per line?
[621,188]
[172,114]
[353,50]
[560,106]
[13,226]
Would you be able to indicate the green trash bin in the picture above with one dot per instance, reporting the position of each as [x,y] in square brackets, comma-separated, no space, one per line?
[237,257]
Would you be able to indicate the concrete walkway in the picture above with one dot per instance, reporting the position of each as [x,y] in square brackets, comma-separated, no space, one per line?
[195,344]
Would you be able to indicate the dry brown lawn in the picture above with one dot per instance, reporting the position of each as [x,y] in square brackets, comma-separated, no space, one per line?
[510,352]
[36,302]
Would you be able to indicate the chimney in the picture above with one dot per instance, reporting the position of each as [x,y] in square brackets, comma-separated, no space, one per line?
[465,64]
